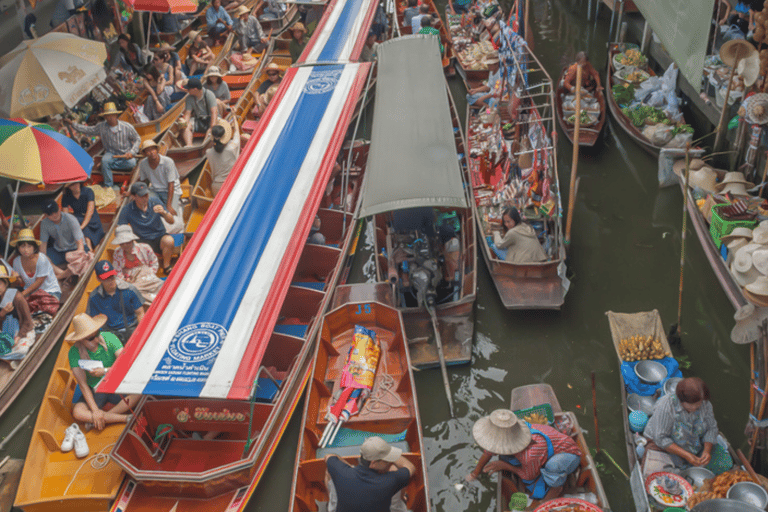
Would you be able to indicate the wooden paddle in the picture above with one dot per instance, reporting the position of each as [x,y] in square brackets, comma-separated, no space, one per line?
[575,156]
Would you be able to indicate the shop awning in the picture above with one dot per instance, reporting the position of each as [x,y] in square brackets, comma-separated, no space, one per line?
[206,333]
[412,161]
[341,32]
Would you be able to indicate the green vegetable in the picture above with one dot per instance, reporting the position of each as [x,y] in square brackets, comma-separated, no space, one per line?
[584,118]
[683,128]
[623,93]
[640,113]
[507,127]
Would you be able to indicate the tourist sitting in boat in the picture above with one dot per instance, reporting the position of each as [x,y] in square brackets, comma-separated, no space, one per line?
[80,201]
[315,236]
[416,20]
[15,315]
[158,93]
[482,95]
[129,56]
[34,267]
[89,348]
[410,11]
[298,41]
[368,53]
[215,83]
[590,80]
[218,20]
[274,9]
[683,425]
[541,456]
[136,263]
[145,215]
[519,239]
[249,31]
[200,110]
[224,153]
[167,54]
[68,241]
[162,176]
[199,55]
[273,77]
[427,28]
[381,473]
[117,301]
[120,141]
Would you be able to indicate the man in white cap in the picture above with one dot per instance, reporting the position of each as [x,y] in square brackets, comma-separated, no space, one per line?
[162,176]
[380,474]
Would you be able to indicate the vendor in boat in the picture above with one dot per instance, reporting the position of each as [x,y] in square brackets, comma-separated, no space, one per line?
[167,54]
[298,41]
[200,110]
[683,424]
[249,31]
[519,239]
[61,238]
[590,80]
[541,456]
[368,53]
[224,153]
[80,201]
[90,345]
[481,95]
[381,473]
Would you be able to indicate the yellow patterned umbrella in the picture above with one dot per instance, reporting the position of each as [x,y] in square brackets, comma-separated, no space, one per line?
[44,76]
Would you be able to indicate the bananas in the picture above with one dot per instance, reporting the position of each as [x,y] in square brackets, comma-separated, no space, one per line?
[637,348]
[537,418]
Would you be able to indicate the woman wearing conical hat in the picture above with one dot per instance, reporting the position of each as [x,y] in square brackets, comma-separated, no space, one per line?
[540,456]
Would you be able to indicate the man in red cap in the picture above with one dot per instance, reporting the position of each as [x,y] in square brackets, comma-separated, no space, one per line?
[117,300]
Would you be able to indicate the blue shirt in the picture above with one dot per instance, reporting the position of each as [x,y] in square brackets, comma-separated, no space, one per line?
[212,16]
[146,225]
[99,303]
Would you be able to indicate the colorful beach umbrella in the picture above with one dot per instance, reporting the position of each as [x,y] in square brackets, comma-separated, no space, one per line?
[43,76]
[36,153]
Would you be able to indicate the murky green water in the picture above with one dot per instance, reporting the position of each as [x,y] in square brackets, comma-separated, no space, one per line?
[624,256]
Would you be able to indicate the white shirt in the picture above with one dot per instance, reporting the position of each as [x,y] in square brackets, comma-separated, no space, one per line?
[222,163]
[160,176]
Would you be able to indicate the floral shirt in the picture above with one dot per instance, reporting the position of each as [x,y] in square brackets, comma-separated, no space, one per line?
[670,423]
[143,253]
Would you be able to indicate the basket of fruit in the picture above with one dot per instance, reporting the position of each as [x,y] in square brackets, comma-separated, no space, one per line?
[632,75]
[539,415]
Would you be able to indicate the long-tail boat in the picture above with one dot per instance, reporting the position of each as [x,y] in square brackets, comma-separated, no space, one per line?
[247,298]
[391,412]
[589,132]
[445,34]
[15,375]
[646,324]
[521,172]
[541,398]
[425,245]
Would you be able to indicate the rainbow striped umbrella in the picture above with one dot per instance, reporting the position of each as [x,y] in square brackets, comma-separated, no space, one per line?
[36,153]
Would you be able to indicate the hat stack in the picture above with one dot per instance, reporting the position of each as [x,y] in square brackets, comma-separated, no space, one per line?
[701,176]
[735,184]
[735,240]
[748,319]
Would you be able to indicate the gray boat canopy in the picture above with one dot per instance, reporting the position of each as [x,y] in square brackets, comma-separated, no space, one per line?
[412,160]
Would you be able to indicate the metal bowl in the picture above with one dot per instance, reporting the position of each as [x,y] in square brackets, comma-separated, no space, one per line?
[749,492]
[637,402]
[670,386]
[696,476]
[650,372]
[723,505]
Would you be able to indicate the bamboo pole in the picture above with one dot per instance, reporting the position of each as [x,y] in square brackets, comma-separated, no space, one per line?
[575,158]
[765,176]
[678,331]
[721,123]
[763,401]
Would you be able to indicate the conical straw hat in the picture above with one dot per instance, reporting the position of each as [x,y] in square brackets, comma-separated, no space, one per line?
[501,433]
[748,318]
[83,326]
[736,49]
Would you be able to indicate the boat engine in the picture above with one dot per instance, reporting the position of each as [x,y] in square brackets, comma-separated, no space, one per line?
[423,270]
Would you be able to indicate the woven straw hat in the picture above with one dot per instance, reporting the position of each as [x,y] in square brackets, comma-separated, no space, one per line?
[742,269]
[760,235]
[704,179]
[733,177]
[757,108]
[227,130]
[695,163]
[5,273]
[242,10]
[733,247]
[110,108]
[501,433]
[735,189]
[736,234]
[25,235]
[149,143]
[748,69]
[748,318]
[84,326]
[760,260]
[213,71]
[757,291]
[736,49]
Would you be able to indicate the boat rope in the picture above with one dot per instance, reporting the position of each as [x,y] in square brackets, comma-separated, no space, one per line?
[98,461]
[378,402]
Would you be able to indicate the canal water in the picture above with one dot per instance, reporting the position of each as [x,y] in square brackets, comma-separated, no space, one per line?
[624,256]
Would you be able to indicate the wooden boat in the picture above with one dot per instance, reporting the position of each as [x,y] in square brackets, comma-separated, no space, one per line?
[399,422]
[14,378]
[56,481]
[277,25]
[405,211]
[588,134]
[622,120]
[10,474]
[529,285]
[587,477]
[445,34]
[155,128]
[278,346]
[648,323]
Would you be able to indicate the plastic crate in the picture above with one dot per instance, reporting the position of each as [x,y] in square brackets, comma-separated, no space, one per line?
[544,409]
[719,227]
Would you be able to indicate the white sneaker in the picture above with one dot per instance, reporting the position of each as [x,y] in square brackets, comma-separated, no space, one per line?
[81,445]
[69,437]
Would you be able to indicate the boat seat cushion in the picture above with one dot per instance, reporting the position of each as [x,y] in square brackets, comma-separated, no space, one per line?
[266,390]
[249,126]
[296,330]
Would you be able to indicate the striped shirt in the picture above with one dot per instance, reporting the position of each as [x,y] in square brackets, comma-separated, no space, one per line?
[118,142]
[534,456]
